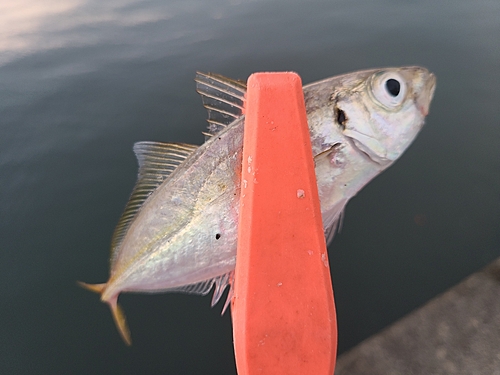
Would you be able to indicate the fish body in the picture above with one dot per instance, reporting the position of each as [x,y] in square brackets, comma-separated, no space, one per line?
[179,230]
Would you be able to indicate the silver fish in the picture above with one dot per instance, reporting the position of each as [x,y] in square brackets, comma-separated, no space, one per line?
[179,229]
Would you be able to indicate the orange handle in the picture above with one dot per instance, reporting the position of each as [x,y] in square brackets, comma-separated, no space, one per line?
[283,310]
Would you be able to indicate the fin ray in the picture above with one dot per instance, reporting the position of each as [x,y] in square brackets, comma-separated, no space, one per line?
[116,310]
[227,114]
[204,287]
[221,282]
[223,97]
[120,321]
[201,288]
[224,100]
[157,161]
[96,288]
[334,228]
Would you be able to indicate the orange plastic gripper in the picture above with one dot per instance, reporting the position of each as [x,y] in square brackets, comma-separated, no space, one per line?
[283,310]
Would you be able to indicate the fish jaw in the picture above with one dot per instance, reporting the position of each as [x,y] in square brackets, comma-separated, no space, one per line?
[383,126]
[425,94]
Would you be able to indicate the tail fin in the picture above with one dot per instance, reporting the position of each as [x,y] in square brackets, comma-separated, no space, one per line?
[96,288]
[116,311]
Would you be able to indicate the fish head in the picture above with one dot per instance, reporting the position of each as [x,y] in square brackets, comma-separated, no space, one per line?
[381,111]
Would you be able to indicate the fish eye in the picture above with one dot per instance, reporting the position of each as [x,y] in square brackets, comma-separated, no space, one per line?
[389,89]
[392,86]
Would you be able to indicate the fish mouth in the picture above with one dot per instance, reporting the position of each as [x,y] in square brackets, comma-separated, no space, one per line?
[424,98]
[367,155]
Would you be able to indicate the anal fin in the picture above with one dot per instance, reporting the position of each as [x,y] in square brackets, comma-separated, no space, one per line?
[221,283]
[204,287]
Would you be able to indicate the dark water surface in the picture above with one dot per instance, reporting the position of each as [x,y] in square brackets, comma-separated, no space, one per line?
[82,80]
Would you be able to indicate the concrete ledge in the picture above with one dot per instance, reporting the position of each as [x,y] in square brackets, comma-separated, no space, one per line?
[457,332]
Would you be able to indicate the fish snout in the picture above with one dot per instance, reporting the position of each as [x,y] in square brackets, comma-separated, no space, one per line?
[424,95]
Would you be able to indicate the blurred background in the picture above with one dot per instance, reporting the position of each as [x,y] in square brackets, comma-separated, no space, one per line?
[82,80]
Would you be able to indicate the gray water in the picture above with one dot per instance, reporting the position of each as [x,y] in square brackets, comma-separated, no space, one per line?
[82,80]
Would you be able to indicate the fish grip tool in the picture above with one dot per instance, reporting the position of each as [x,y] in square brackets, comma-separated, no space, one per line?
[283,310]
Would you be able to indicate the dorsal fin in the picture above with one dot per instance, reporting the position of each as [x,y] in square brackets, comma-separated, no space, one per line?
[156,162]
[222,97]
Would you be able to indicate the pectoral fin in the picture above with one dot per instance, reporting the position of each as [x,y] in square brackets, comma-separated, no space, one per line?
[116,311]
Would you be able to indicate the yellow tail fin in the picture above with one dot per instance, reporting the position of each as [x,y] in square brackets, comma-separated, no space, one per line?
[96,288]
[116,311]
[120,321]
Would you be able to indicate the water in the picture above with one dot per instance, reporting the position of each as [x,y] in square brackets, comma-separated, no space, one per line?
[82,80]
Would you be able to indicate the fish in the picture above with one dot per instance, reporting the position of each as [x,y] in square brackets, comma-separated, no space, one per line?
[178,232]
